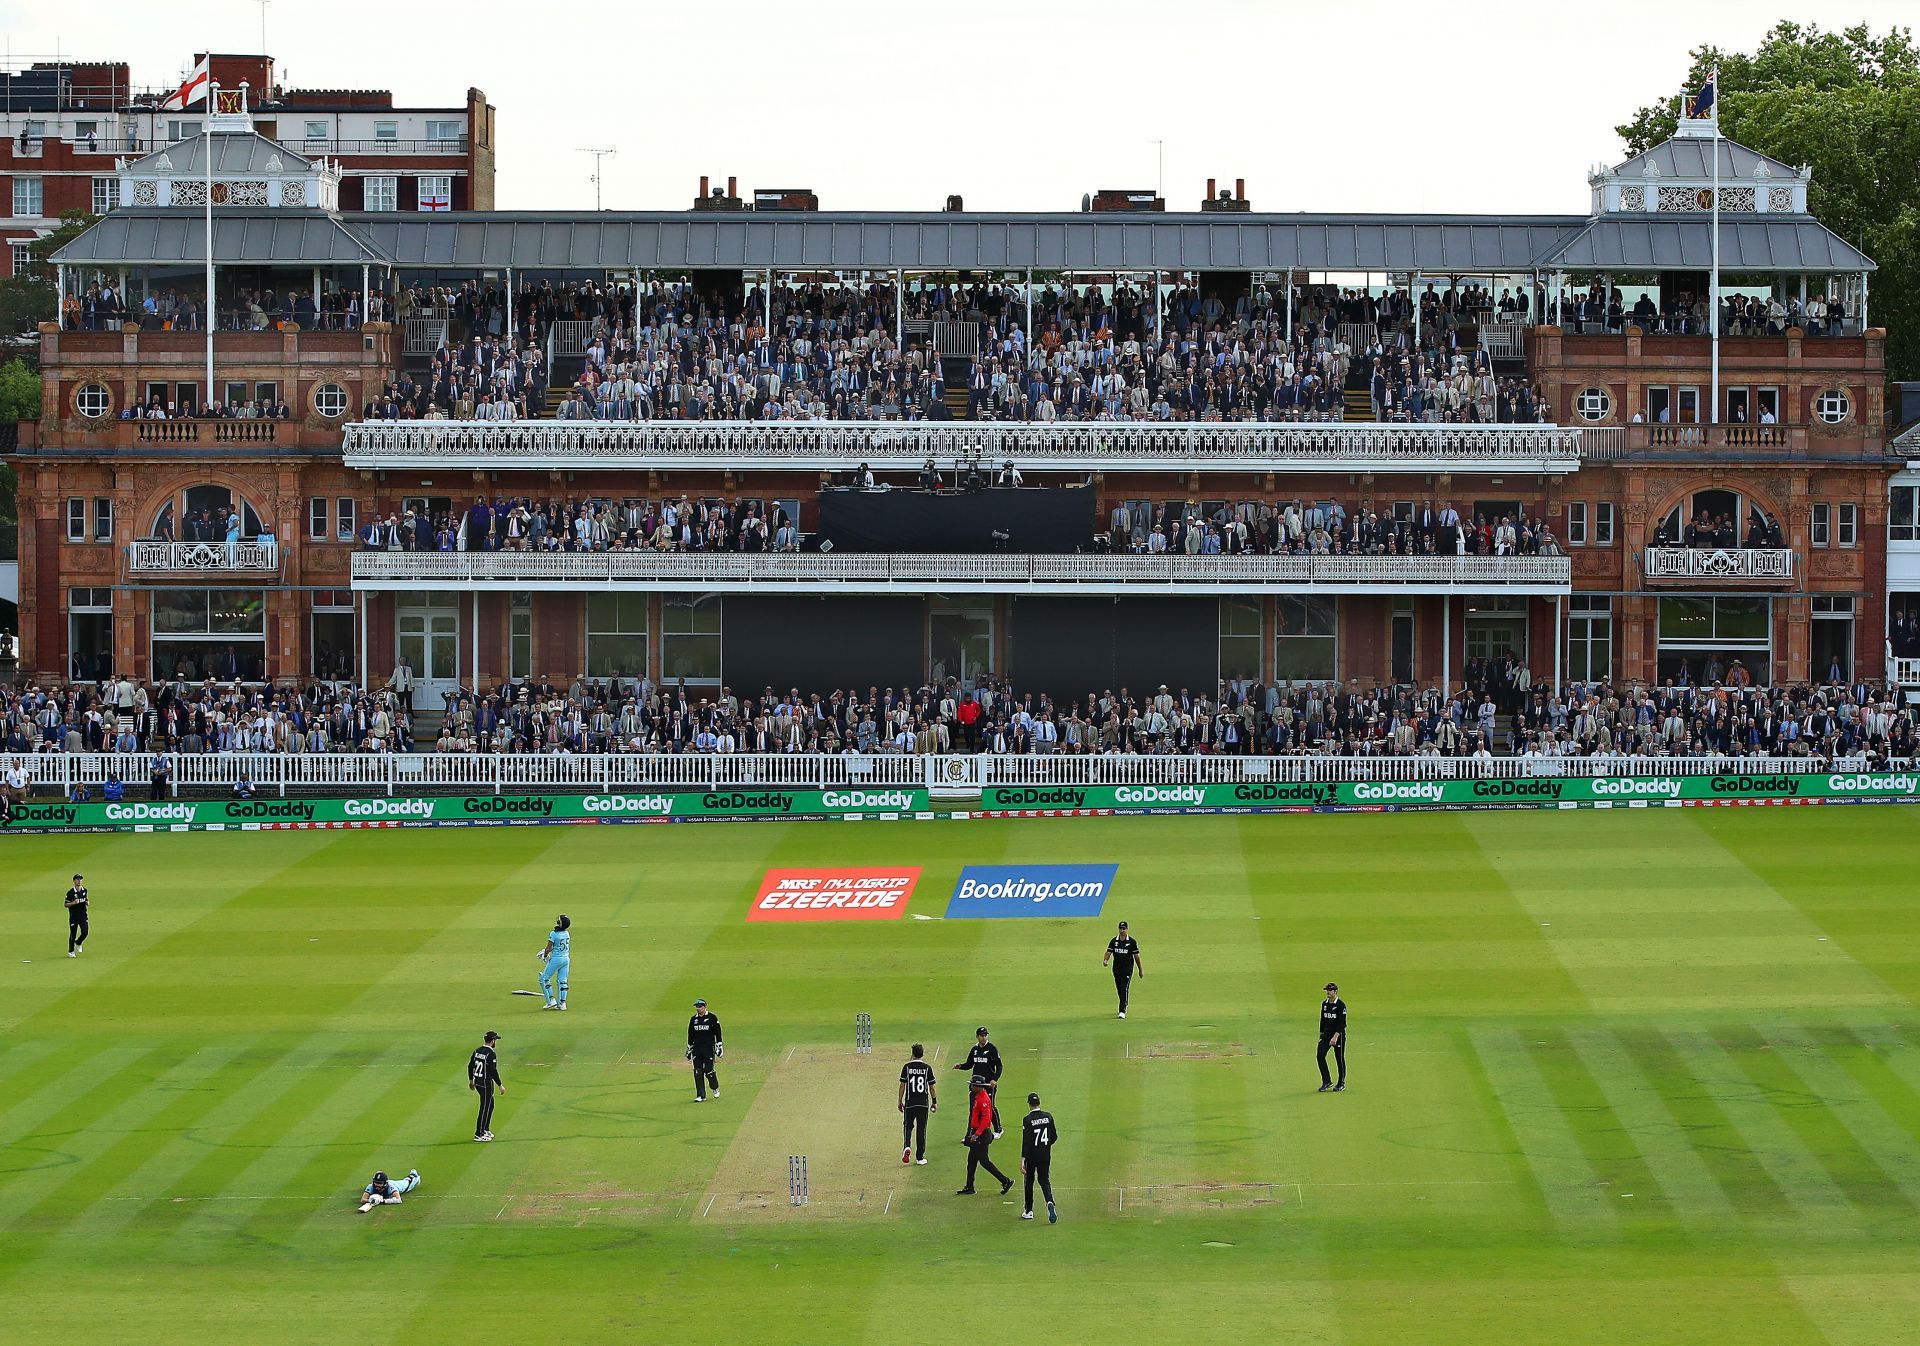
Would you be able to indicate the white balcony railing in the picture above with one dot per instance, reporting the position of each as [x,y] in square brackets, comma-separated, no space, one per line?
[844,572]
[202,557]
[1092,446]
[1773,564]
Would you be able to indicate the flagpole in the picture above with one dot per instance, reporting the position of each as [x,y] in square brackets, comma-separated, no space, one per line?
[1714,419]
[213,314]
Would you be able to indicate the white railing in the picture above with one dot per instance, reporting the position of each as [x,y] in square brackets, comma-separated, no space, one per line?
[1902,670]
[400,773]
[203,556]
[570,336]
[877,570]
[544,445]
[1504,340]
[956,340]
[1716,563]
[424,336]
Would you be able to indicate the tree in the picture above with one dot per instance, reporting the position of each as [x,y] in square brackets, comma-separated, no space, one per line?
[19,401]
[1847,105]
[31,299]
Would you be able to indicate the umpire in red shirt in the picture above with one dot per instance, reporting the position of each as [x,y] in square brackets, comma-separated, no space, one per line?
[980,1139]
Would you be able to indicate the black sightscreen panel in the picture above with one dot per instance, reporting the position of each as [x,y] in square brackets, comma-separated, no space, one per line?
[1052,520]
[818,644]
[1068,647]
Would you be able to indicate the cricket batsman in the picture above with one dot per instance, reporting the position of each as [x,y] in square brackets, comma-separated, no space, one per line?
[385,1191]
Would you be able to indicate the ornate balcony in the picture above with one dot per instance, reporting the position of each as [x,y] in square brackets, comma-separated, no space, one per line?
[1716,565]
[544,446]
[254,558]
[848,573]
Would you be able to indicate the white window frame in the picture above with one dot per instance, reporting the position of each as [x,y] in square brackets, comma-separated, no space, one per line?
[322,397]
[1820,525]
[1833,406]
[103,518]
[92,400]
[1576,523]
[385,129]
[1910,530]
[439,129]
[1846,526]
[1601,400]
[179,128]
[316,130]
[345,519]
[106,194]
[29,196]
[318,519]
[520,637]
[1603,524]
[76,518]
[22,256]
[380,192]
[441,185]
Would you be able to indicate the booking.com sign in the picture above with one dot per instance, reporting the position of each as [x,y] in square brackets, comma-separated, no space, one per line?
[992,891]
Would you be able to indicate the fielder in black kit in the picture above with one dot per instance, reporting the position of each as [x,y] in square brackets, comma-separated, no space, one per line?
[1123,951]
[1333,1034]
[483,1077]
[1039,1133]
[983,1062]
[703,1049]
[917,1099]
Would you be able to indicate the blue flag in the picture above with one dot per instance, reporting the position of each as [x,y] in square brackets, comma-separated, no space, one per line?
[1703,101]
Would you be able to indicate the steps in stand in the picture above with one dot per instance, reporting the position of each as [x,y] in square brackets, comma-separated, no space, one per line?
[1358,405]
[954,372]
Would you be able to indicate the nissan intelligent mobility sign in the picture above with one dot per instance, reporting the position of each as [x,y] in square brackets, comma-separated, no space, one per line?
[992,891]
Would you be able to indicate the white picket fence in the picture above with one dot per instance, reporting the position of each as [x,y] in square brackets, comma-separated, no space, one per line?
[954,774]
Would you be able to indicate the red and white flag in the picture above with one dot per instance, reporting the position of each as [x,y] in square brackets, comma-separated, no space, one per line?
[435,201]
[190,92]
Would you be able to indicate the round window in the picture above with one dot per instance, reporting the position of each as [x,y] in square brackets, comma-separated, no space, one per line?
[330,400]
[92,400]
[1593,404]
[1833,406]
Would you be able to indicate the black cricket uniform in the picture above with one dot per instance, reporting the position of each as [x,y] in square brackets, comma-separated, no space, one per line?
[917,1076]
[483,1074]
[1126,952]
[703,1045]
[76,917]
[1038,1135]
[1333,1019]
[984,1061]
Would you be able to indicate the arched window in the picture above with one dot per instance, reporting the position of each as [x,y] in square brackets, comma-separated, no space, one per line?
[200,513]
[1715,517]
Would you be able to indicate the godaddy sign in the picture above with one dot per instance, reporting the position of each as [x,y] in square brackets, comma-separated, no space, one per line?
[1543,791]
[611,806]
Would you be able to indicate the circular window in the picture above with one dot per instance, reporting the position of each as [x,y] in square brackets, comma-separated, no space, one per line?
[92,400]
[1833,406]
[330,400]
[1593,404]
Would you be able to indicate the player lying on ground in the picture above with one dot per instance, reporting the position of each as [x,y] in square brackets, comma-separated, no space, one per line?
[385,1191]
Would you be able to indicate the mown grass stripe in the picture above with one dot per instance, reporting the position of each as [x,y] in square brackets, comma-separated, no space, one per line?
[1638,1105]
[1559,1164]
[1748,1187]
[1884,1143]
[1788,1156]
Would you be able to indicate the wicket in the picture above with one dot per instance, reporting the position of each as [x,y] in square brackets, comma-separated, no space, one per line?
[863,1034]
[796,1180]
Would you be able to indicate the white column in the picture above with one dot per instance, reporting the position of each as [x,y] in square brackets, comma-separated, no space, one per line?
[365,606]
[212,314]
[1863,303]
[1713,305]
[510,335]
[899,309]
[474,642]
[1446,644]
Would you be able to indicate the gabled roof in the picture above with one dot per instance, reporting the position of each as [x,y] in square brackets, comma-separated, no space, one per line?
[233,153]
[1782,243]
[255,236]
[1690,159]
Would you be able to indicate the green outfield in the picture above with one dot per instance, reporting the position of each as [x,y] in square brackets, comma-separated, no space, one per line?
[1649,1075]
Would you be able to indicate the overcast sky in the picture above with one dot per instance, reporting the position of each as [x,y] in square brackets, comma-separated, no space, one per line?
[1346,105]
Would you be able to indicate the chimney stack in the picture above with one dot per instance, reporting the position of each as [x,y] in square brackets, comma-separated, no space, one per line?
[1239,189]
[703,184]
[1210,186]
[733,185]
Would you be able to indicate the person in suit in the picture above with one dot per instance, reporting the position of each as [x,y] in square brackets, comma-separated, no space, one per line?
[401,683]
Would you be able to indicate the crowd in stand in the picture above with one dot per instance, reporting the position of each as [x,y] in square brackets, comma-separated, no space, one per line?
[1326,528]
[1500,709]
[104,307]
[523,524]
[1600,308]
[670,351]
[1295,527]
